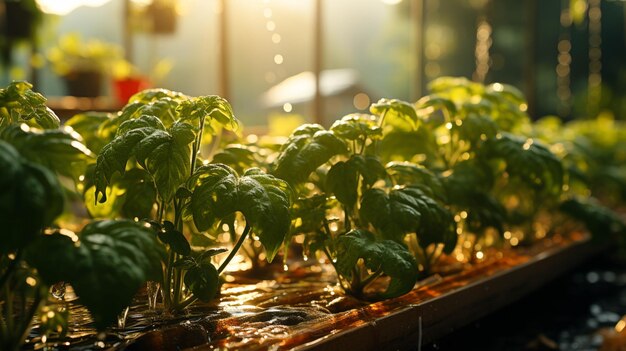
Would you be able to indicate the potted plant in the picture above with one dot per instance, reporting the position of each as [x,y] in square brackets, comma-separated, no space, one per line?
[20,23]
[83,64]
[129,80]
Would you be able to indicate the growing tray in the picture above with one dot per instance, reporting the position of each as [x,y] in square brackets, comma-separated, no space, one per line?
[424,322]
[244,319]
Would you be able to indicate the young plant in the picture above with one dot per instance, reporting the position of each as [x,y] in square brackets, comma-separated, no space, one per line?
[106,263]
[241,157]
[20,104]
[350,211]
[493,177]
[160,133]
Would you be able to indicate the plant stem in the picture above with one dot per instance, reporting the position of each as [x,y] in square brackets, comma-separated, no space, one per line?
[167,281]
[24,327]
[177,282]
[12,265]
[196,145]
[233,252]
[363,146]
[372,277]
[186,302]
[10,318]
[346,221]
[161,211]
[355,284]
[342,282]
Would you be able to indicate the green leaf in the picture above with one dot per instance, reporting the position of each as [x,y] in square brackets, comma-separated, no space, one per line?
[506,91]
[56,149]
[435,102]
[213,106]
[20,104]
[405,173]
[30,199]
[602,222]
[141,122]
[475,128]
[483,210]
[528,160]
[114,156]
[203,281]
[369,167]
[474,174]
[394,214]
[408,146]
[207,254]
[389,256]
[165,109]
[342,181]
[176,240]
[468,189]
[129,195]
[456,88]
[409,210]
[308,147]
[140,194]
[263,199]
[357,126]
[88,125]
[150,95]
[239,157]
[106,264]
[166,155]
[214,194]
[396,112]
[308,214]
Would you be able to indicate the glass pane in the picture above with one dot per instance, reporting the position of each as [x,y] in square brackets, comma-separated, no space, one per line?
[192,49]
[369,53]
[270,52]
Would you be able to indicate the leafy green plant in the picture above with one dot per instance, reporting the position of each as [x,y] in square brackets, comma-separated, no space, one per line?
[106,263]
[339,173]
[593,155]
[73,54]
[476,141]
[159,134]
[20,104]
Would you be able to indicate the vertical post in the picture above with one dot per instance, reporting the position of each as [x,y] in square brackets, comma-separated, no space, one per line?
[223,63]
[530,63]
[483,43]
[34,72]
[418,20]
[318,54]
[127,40]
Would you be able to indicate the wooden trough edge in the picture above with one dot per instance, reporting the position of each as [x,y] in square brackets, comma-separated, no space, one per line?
[427,321]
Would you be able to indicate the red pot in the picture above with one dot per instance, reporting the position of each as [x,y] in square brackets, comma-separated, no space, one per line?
[125,88]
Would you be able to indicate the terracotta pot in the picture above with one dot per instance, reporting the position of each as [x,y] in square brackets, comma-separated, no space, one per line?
[84,83]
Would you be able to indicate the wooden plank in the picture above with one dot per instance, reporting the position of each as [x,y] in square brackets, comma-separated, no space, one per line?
[432,319]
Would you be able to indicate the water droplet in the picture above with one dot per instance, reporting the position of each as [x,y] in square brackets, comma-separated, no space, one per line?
[595,309]
[58,291]
[593,277]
